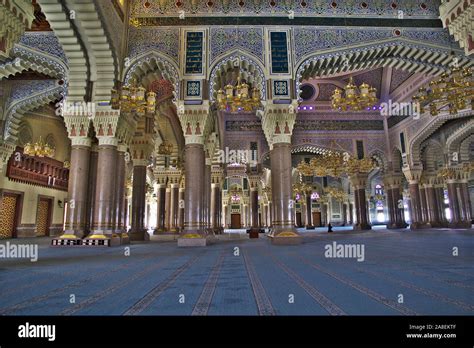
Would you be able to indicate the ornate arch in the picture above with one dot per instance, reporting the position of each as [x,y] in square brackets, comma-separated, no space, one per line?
[398,52]
[454,140]
[28,101]
[151,61]
[248,64]
[380,158]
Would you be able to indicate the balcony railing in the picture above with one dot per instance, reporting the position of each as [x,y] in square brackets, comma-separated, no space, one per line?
[39,171]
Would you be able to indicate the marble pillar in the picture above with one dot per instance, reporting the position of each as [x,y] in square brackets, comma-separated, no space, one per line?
[254,224]
[119,213]
[181,209]
[160,208]
[424,205]
[432,206]
[351,214]
[397,219]
[138,230]
[466,202]
[344,214]
[361,205]
[457,205]
[439,192]
[207,193]
[76,214]
[91,188]
[103,224]
[283,220]
[415,206]
[174,206]
[193,195]
[167,209]
[309,212]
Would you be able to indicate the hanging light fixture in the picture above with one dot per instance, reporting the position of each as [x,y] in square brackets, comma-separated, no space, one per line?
[238,98]
[454,90]
[39,149]
[354,98]
[165,148]
[133,98]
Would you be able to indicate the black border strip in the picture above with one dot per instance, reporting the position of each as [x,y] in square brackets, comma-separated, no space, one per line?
[297,21]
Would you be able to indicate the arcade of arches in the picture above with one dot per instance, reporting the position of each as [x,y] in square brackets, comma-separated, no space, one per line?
[188,170]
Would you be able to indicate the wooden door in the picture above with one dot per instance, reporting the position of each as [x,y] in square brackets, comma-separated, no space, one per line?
[9,215]
[317,218]
[298,220]
[43,217]
[235,221]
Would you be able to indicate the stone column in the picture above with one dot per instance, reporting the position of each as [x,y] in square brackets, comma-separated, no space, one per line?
[277,122]
[415,205]
[392,183]
[283,220]
[103,224]
[432,205]
[224,217]
[181,209]
[120,193]
[92,180]
[76,213]
[213,206]
[439,191]
[344,214]
[138,230]
[424,205]
[466,203]
[309,212]
[174,207]
[254,225]
[193,195]
[359,182]
[160,211]
[351,213]
[456,205]
[167,209]
[207,193]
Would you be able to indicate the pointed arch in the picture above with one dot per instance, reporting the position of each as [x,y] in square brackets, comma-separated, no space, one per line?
[249,66]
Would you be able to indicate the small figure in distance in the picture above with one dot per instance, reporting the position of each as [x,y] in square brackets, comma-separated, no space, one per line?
[329,227]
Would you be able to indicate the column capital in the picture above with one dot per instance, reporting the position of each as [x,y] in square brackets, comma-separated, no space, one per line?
[278,121]
[359,180]
[412,173]
[392,180]
[142,147]
[196,122]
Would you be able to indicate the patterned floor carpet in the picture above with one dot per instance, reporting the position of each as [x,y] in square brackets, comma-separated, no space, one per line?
[403,273]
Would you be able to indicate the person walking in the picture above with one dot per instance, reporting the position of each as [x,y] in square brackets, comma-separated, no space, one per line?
[329,227]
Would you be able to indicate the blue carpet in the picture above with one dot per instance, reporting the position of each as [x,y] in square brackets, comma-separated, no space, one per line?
[162,279]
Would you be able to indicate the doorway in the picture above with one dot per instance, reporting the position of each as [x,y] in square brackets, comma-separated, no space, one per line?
[43,216]
[9,214]
[298,220]
[317,219]
[235,221]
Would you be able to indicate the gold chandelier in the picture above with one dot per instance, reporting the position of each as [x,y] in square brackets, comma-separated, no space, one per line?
[335,193]
[447,173]
[355,98]
[165,148]
[335,164]
[454,90]
[131,98]
[39,149]
[237,98]
[301,188]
